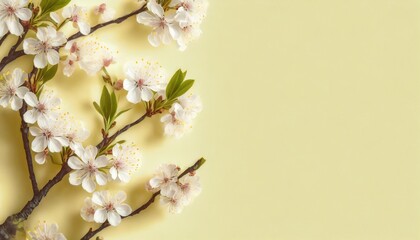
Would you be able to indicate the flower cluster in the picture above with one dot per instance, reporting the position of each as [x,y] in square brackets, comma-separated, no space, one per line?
[175,192]
[179,21]
[104,206]
[46,231]
[89,168]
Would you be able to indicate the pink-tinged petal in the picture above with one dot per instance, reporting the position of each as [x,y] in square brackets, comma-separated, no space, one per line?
[77,177]
[101,161]
[30,46]
[100,216]
[99,198]
[53,57]
[14,26]
[114,218]
[21,92]
[75,163]
[39,144]
[88,184]
[84,27]
[40,60]
[40,158]
[114,173]
[24,14]
[35,131]
[54,145]
[146,94]
[124,210]
[134,96]
[101,178]
[31,99]
[16,103]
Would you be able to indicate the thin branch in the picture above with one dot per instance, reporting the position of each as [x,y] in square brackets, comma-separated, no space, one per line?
[24,132]
[108,140]
[91,233]
[3,38]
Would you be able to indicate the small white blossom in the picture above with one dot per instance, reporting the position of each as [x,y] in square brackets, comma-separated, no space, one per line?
[172,197]
[87,168]
[12,90]
[44,47]
[110,207]
[43,110]
[74,131]
[90,54]
[142,79]
[106,13]
[191,104]
[88,210]
[190,187]
[124,162]
[78,16]
[11,11]
[166,175]
[46,232]
[48,134]
[176,122]
[164,28]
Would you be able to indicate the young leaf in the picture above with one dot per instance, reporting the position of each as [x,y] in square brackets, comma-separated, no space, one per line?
[105,103]
[185,86]
[174,83]
[50,73]
[114,106]
[122,112]
[48,6]
[98,108]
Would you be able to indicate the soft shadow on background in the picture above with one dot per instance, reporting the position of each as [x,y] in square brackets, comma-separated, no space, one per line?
[310,125]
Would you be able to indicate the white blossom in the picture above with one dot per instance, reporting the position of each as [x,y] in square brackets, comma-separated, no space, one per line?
[164,28]
[176,122]
[43,110]
[190,11]
[88,168]
[106,13]
[191,104]
[172,197]
[11,11]
[165,175]
[88,210]
[124,162]
[142,79]
[12,90]
[48,134]
[44,47]
[90,54]
[190,187]
[110,207]
[46,232]
[74,131]
[78,16]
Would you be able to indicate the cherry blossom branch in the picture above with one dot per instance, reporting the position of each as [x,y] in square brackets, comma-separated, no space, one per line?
[115,21]
[91,233]
[13,55]
[24,132]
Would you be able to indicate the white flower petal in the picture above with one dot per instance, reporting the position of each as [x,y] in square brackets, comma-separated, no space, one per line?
[100,216]
[114,218]
[124,210]
[88,184]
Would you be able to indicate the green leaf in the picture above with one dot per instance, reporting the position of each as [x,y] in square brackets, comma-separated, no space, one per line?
[48,6]
[185,86]
[114,106]
[105,103]
[50,73]
[122,112]
[98,108]
[174,83]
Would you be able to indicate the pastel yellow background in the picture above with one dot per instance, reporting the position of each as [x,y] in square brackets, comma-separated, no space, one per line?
[311,125]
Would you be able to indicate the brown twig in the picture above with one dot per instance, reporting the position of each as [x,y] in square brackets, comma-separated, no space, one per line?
[3,38]
[24,132]
[91,233]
